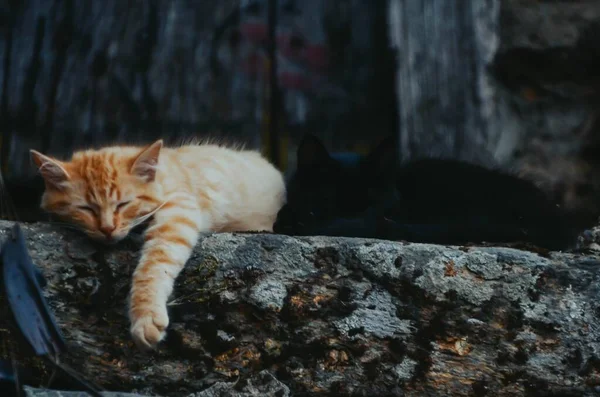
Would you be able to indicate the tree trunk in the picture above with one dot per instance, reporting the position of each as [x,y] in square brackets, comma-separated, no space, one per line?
[336,315]
[446,104]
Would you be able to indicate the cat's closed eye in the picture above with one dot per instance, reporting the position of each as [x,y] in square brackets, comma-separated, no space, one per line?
[122,204]
[86,208]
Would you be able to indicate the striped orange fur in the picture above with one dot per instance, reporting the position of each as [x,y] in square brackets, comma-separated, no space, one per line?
[182,191]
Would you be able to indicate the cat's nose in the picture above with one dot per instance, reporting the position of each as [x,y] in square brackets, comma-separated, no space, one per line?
[107,230]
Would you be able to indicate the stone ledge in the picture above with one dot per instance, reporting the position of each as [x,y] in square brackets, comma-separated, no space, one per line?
[339,315]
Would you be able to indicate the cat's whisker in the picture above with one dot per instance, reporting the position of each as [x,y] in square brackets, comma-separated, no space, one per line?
[181,299]
[143,218]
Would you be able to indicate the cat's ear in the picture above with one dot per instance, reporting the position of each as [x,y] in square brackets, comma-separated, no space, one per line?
[383,158]
[311,152]
[53,171]
[145,164]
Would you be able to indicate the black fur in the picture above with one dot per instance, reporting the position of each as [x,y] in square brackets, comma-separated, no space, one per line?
[429,200]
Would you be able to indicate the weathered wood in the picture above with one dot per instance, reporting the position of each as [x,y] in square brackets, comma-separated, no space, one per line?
[77,74]
[446,103]
[345,316]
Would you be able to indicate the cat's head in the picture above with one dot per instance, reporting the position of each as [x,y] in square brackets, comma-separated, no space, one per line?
[105,192]
[328,186]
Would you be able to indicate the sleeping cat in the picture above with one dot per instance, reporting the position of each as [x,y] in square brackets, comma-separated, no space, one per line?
[428,200]
[182,191]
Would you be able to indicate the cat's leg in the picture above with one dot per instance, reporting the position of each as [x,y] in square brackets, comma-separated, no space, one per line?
[169,242]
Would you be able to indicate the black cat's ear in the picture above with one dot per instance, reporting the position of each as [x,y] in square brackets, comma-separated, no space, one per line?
[384,157]
[311,152]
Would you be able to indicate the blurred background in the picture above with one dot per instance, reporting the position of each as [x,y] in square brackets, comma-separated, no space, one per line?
[507,83]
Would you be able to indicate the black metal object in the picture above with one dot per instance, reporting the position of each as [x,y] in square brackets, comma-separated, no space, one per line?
[22,285]
[7,373]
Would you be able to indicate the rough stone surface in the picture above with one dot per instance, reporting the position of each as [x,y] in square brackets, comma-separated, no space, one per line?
[297,316]
[261,384]
[34,392]
[547,67]
[546,24]
[512,84]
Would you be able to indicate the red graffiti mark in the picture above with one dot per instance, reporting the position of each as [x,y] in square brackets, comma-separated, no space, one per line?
[254,32]
[252,64]
[295,81]
[317,57]
[312,57]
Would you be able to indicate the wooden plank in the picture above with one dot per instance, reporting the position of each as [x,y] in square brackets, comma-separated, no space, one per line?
[446,105]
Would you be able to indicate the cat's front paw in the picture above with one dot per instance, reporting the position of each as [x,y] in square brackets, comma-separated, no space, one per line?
[148,326]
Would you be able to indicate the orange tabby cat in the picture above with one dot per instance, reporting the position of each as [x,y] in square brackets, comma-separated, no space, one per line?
[184,191]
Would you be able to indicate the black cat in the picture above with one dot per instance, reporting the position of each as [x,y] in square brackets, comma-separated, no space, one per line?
[429,200]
